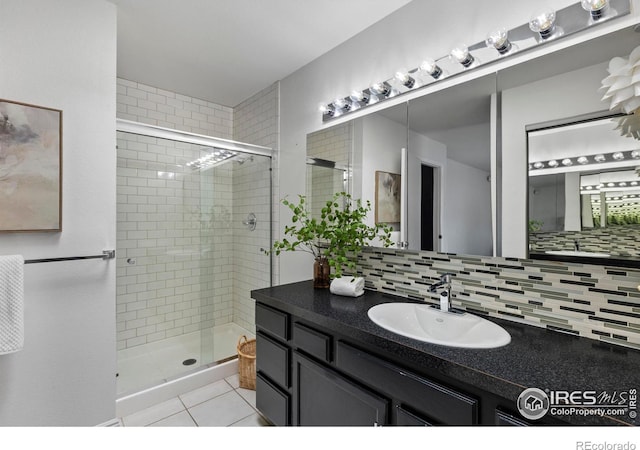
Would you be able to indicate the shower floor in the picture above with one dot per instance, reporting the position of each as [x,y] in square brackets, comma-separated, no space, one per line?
[148,365]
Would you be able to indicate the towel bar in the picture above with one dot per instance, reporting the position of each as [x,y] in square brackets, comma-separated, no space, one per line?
[106,254]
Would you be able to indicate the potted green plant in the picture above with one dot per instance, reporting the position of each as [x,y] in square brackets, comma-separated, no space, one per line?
[335,238]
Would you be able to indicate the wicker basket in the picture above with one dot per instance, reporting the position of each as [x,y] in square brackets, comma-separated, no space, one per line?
[247,362]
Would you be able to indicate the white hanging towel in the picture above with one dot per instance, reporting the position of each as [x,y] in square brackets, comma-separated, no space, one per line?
[11,303]
[347,286]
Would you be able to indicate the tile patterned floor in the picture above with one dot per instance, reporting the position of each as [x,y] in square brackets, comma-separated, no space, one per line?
[220,404]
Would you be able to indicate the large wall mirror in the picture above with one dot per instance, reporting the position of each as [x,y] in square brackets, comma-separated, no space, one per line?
[467,159]
[447,175]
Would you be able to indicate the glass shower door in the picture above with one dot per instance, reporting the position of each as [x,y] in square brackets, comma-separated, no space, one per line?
[186,262]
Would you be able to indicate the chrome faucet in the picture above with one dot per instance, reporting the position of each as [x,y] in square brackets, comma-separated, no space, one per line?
[445,282]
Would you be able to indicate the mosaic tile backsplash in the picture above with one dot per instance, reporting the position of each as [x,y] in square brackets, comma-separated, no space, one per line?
[596,302]
[619,240]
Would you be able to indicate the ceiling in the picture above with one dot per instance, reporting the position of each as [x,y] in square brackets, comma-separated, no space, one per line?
[224,51]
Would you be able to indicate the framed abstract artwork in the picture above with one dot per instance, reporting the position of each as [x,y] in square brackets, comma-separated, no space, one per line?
[30,167]
[387,201]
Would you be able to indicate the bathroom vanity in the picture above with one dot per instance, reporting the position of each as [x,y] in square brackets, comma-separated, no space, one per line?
[322,361]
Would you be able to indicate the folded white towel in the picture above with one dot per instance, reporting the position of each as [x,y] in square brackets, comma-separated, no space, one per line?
[347,286]
[11,304]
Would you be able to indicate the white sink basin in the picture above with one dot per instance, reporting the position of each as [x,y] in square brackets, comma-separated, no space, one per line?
[428,324]
[577,253]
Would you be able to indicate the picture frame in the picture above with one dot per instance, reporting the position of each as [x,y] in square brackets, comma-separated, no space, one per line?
[387,198]
[30,168]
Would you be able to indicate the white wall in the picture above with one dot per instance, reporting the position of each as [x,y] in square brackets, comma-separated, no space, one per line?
[466,222]
[63,55]
[572,201]
[423,150]
[382,140]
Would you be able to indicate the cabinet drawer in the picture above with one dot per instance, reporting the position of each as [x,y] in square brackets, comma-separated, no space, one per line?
[272,321]
[407,418]
[272,359]
[313,342]
[273,403]
[443,404]
[324,397]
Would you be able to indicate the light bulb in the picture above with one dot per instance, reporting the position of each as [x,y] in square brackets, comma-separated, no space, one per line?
[553,163]
[538,165]
[634,183]
[405,79]
[380,89]
[429,66]
[622,184]
[461,54]
[327,110]
[359,96]
[498,39]
[567,162]
[544,23]
[635,154]
[597,8]
[393,92]
[618,156]
[599,158]
[342,103]
[611,184]
[583,160]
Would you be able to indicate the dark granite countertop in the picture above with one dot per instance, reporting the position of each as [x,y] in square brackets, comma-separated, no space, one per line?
[535,357]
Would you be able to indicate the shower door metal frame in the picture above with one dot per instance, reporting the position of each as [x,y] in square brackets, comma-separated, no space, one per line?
[144,129]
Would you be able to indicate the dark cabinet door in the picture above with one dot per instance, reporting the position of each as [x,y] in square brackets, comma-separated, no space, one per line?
[325,398]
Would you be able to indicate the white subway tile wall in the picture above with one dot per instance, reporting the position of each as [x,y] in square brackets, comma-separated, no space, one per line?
[147,104]
[180,232]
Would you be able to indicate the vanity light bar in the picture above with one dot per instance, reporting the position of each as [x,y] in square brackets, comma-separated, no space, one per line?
[585,160]
[547,25]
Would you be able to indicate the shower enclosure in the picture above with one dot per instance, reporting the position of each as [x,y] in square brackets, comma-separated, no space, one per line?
[194,221]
